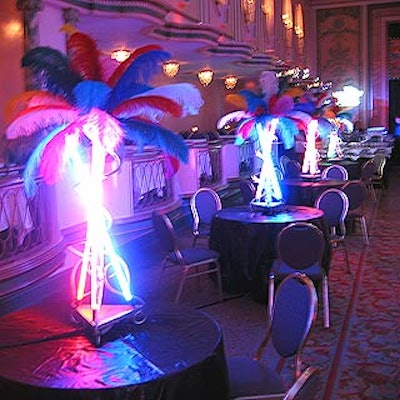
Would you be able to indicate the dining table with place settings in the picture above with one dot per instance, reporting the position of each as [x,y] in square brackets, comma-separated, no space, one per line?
[246,242]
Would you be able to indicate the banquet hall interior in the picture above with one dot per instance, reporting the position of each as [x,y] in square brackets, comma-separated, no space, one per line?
[153,156]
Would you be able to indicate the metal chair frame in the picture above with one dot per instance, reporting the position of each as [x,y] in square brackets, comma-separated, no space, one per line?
[175,256]
[356,192]
[274,337]
[333,171]
[336,221]
[202,218]
[300,261]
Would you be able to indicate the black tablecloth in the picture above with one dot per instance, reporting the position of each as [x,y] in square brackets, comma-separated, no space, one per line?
[176,354]
[304,193]
[353,167]
[246,243]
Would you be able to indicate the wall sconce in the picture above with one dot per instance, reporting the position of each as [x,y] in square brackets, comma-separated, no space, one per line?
[287,21]
[120,55]
[230,81]
[205,76]
[171,68]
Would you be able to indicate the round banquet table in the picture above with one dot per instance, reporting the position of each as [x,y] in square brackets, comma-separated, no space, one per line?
[304,192]
[177,353]
[246,242]
[353,167]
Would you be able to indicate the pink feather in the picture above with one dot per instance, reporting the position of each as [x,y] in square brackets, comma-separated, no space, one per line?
[53,162]
[245,129]
[31,119]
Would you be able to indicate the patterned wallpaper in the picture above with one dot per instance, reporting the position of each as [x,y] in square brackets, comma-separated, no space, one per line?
[339,46]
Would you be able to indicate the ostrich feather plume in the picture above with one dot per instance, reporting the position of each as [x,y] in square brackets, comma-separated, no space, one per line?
[152,108]
[143,133]
[235,116]
[184,94]
[32,119]
[91,94]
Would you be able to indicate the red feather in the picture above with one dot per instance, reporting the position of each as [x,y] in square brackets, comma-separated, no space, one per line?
[149,107]
[171,166]
[120,70]
[84,57]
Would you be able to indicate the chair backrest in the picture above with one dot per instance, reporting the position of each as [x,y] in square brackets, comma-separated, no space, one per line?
[283,160]
[335,205]
[379,161]
[165,232]
[305,387]
[292,169]
[356,192]
[300,245]
[368,171]
[204,204]
[337,172]
[294,311]
[247,190]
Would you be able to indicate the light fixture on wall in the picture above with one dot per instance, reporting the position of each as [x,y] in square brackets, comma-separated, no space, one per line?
[171,68]
[120,55]
[230,81]
[205,76]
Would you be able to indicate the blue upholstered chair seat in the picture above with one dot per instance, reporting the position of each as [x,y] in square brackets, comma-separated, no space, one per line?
[249,377]
[194,255]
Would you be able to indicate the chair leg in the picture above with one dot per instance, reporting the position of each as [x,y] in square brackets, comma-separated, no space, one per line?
[325,297]
[181,283]
[219,282]
[271,288]
[346,254]
[364,230]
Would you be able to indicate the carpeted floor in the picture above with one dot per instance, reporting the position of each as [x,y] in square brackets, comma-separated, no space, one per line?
[359,355]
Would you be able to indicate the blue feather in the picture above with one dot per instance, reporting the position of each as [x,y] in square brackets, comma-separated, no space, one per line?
[89,94]
[32,165]
[143,133]
[287,130]
[253,100]
[139,73]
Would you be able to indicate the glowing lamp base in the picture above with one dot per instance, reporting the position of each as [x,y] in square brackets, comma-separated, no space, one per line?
[98,323]
[270,208]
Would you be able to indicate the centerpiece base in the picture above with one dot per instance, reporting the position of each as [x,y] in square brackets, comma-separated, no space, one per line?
[270,208]
[97,323]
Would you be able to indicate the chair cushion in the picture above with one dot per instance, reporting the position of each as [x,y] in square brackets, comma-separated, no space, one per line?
[250,377]
[194,255]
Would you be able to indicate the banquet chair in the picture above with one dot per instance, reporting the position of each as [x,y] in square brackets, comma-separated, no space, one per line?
[193,261]
[300,247]
[335,205]
[283,161]
[356,192]
[293,315]
[379,161]
[367,175]
[292,169]
[336,172]
[204,204]
[305,387]
[247,190]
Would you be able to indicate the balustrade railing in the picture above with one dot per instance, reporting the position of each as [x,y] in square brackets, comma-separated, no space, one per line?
[24,222]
